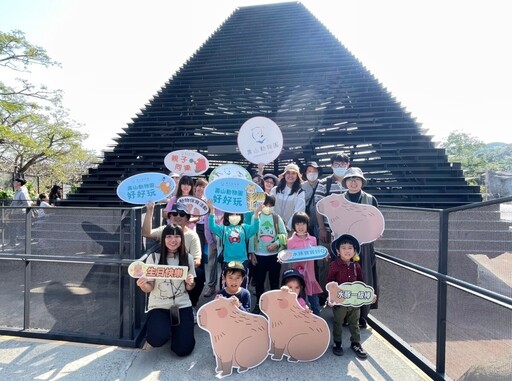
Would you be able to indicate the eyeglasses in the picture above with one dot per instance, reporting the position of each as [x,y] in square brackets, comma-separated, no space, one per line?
[176,214]
[353,179]
[339,165]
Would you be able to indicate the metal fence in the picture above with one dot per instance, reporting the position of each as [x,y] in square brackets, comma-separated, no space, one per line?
[446,285]
[445,289]
[67,277]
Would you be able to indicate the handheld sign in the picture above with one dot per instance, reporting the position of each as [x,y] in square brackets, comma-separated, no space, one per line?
[144,187]
[229,170]
[353,294]
[364,222]
[239,339]
[260,140]
[299,255]
[234,195]
[295,333]
[195,206]
[139,269]
[186,162]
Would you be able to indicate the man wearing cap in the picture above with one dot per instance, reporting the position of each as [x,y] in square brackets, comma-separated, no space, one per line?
[179,216]
[309,186]
[16,215]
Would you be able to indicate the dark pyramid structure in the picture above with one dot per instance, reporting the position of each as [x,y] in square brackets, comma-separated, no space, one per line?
[280,62]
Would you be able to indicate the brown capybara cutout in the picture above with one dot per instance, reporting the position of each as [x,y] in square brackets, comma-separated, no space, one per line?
[294,332]
[239,339]
[364,222]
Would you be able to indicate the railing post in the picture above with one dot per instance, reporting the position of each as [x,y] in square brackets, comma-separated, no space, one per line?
[442,294]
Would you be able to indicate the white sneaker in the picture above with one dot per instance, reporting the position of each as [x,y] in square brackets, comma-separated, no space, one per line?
[194,312]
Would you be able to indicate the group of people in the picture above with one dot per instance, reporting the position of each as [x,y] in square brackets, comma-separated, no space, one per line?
[15,217]
[245,247]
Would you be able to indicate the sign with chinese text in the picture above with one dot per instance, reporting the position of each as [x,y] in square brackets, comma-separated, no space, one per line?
[305,254]
[144,187]
[195,206]
[260,140]
[139,269]
[353,294]
[186,162]
[234,195]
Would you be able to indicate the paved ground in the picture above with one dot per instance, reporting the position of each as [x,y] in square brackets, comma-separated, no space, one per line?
[33,359]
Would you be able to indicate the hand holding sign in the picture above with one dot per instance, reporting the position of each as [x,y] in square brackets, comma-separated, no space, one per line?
[139,269]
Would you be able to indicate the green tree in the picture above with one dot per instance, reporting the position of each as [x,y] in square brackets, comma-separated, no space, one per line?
[36,132]
[475,156]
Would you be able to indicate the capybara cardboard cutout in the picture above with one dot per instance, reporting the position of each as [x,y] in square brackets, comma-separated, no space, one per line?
[353,294]
[239,339]
[363,221]
[294,332]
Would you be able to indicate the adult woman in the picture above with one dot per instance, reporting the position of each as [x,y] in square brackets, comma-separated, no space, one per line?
[289,195]
[354,182]
[170,315]
[55,195]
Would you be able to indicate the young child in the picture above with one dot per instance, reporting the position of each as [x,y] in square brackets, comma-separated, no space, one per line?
[299,240]
[233,236]
[263,248]
[345,269]
[295,282]
[234,274]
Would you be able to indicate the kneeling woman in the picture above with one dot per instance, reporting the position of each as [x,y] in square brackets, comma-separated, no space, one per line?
[169,309]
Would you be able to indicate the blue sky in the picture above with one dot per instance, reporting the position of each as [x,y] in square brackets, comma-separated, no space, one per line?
[448,62]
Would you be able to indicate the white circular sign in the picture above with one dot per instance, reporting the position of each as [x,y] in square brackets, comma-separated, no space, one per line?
[260,140]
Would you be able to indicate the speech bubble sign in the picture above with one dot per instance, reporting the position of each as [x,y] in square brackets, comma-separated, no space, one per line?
[294,332]
[354,294]
[364,222]
[239,339]
[229,170]
[186,162]
[195,206]
[305,254]
[144,187]
[139,269]
[260,140]
[234,195]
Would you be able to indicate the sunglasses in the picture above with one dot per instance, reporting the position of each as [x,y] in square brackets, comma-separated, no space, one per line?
[176,214]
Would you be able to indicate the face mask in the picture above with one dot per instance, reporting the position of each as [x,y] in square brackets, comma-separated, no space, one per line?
[339,171]
[266,210]
[312,176]
[234,220]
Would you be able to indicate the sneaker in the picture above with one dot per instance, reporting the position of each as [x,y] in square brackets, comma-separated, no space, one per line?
[362,323]
[194,312]
[211,291]
[337,350]
[359,351]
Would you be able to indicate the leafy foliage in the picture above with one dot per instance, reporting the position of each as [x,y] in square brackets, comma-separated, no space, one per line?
[37,135]
[475,156]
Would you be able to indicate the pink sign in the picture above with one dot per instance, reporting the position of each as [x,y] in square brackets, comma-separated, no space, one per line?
[186,162]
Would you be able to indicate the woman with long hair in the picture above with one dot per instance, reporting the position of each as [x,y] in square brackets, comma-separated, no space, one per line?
[289,195]
[169,309]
